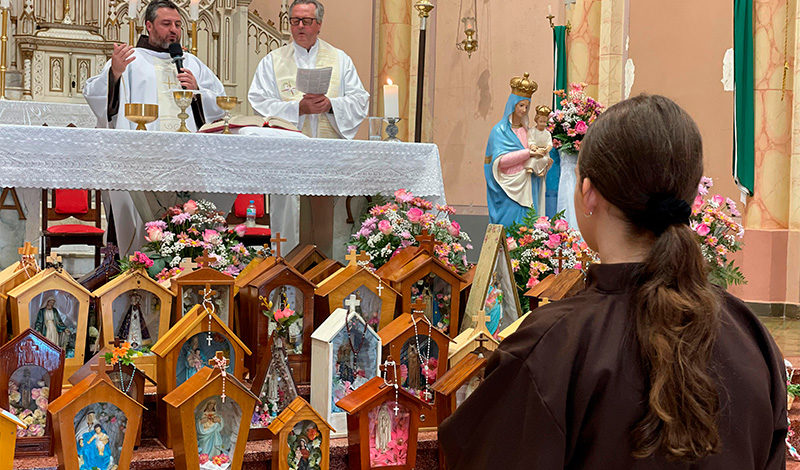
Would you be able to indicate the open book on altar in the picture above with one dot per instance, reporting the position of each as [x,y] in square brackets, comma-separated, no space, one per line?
[237,122]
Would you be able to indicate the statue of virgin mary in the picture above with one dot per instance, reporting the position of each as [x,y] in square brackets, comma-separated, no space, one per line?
[510,190]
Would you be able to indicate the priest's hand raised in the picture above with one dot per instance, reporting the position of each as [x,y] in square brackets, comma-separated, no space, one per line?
[186,77]
[120,58]
[314,104]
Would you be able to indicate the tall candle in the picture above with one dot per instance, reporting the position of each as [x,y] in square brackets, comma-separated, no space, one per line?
[133,8]
[5,4]
[194,10]
[549,9]
[391,100]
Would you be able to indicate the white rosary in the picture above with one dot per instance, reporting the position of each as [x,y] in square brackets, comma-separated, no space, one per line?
[424,360]
[390,362]
[221,362]
[209,306]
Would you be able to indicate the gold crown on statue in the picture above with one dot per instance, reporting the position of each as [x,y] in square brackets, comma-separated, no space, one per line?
[523,86]
[543,110]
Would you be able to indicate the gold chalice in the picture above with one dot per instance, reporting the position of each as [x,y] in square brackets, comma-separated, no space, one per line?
[183,98]
[141,114]
[227,103]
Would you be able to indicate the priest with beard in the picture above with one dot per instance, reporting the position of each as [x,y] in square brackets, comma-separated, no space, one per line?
[147,74]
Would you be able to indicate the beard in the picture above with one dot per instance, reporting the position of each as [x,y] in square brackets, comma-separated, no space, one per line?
[161,41]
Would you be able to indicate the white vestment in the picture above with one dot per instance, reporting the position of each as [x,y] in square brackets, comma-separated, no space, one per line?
[149,79]
[274,93]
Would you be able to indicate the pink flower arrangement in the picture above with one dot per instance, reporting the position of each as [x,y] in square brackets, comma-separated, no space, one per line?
[137,260]
[569,124]
[393,226]
[220,459]
[396,452]
[203,458]
[717,232]
[283,317]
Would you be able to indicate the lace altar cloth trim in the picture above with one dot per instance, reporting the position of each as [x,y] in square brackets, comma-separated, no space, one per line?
[54,157]
[35,113]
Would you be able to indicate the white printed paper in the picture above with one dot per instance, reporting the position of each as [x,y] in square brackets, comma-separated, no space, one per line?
[314,81]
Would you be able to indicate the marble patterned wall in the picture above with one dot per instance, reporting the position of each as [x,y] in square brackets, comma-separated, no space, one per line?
[583,44]
[612,53]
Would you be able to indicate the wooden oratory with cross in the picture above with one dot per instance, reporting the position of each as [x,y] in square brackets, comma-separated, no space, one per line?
[204,286]
[472,338]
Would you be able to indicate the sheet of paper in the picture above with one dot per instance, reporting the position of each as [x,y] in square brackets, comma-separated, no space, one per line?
[314,81]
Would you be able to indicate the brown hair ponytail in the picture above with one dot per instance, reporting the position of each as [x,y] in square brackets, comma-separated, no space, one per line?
[644,155]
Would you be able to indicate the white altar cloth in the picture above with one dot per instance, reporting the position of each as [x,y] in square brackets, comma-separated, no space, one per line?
[52,157]
[37,113]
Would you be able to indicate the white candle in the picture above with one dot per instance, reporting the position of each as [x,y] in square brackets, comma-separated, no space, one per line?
[5,4]
[549,9]
[391,100]
[133,8]
[194,10]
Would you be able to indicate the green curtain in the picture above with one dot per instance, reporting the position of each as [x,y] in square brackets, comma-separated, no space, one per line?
[744,111]
[559,83]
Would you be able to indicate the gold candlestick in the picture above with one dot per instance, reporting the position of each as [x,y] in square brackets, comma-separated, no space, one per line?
[194,37]
[132,32]
[67,19]
[3,45]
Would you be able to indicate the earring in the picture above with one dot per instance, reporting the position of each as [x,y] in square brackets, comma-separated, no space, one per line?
[587,215]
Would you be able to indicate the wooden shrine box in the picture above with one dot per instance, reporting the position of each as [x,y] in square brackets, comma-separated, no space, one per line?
[471,339]
[188,288]
[274,386]
[494,279]
[29,366]
[185,349]
[207,427]
[12,276]
[122,376]
[455,386]
[418,275]
[71,300]
[378,301]
[9,424]
[335,369]
[95,409]
[512,328]
[322,271]
[557,286]
[466,288]
[401,340]
[114,299]
[302,438]
[271,284]
[374,424]
[306,257]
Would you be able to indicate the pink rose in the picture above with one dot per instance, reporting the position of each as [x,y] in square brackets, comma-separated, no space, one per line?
[561,225]
[581,127]
[401,195]
[240,230]
[190,207]
[209,235]
[385,227]
[553,241]
[703,230]
[718,200]
[454,228]
[154,234]
[542,223]
[414,214]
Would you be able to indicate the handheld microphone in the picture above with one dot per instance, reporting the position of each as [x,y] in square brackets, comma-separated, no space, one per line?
[176,52]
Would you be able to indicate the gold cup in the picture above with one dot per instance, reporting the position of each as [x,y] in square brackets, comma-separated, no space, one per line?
[227,103]
[141,114]
[183,98]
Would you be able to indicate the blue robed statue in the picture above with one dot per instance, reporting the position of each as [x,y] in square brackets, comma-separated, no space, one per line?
[94,449]
[511,187]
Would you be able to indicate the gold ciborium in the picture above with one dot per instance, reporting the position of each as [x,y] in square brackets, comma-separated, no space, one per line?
[183,98]
[141,114]
[227,103]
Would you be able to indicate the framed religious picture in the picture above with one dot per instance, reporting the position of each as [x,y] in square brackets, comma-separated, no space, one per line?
[471,339]
[345,354]
[10,425]
[376,301]
[382,425]
[95,424]
[31,371]
[274,385]
[420,350]
[57,307]
[456,385]
[494,289]
[204,285]
[210,411]
[301,438]
[185,350]
[136,310]
[419,276]
[281,301]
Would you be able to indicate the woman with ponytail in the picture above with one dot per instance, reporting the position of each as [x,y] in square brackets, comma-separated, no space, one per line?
[650,366]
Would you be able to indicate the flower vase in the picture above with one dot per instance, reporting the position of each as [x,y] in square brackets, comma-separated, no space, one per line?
[566,186]
[159,263]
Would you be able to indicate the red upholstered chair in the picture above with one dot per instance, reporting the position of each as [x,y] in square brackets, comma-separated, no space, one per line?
[59,204]
[253,236]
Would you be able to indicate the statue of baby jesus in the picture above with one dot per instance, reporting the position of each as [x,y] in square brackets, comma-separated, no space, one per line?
[540,143]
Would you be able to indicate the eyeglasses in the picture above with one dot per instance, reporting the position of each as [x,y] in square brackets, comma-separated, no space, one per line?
[306,21]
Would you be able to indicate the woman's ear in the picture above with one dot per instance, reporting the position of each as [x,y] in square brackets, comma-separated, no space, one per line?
[589,196]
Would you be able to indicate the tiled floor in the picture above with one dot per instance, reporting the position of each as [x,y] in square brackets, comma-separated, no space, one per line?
[786,332]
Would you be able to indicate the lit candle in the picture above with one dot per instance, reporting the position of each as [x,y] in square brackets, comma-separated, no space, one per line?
[549,10]
[5,4]
[391,100]
[133,8]
[194,10]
